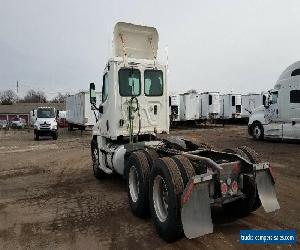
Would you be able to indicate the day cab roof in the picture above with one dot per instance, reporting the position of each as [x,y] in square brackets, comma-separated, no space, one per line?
[291,71]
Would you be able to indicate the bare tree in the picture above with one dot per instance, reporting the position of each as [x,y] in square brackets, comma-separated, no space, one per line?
[8,97]
[192,91]
[33,96]
[60,98]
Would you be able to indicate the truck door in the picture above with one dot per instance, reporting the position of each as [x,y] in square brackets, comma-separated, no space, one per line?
[273,128]
[291,129]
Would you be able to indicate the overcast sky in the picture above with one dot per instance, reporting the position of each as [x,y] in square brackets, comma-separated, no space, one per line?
[62,45]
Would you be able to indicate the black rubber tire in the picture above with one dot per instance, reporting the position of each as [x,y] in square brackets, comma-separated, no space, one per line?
[171,228]
[36,136]
[251,154]
[185,167]
[151,155]
[98,173]
[243,207]
[139,160]
[55,136]
[257,127]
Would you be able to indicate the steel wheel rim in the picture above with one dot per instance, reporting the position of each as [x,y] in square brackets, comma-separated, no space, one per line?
[133,184]
[160,198]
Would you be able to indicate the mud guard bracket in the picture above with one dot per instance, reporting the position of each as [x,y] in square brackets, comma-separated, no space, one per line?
[195,211]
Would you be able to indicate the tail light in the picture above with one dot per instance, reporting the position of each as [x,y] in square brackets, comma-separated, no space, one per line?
[224,188]
[234,187]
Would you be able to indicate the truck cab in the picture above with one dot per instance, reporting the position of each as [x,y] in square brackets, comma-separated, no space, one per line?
[45,122]
[279,117]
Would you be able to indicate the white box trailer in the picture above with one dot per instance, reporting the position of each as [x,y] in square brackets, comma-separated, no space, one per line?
[175,108]
[190,107]
[230,106]
[209,105]
[79,111]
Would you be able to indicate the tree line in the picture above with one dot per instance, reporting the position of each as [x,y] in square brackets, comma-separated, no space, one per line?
[8,97]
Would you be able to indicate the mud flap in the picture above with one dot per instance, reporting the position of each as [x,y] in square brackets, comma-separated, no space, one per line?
[195,211]
[266,191]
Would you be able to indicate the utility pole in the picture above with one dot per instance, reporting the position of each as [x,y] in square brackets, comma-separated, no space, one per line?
[17,87]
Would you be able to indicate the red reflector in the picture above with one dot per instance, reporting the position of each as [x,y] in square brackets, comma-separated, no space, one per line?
[236,168]
[224,188]
[186,195]
[234,187]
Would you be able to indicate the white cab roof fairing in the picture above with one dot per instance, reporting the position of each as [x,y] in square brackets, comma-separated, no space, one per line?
[135,41]
[286,74]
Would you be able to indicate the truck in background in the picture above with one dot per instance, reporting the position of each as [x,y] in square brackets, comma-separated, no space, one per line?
[79,113]
[45,122]
[189,107]
[279,118]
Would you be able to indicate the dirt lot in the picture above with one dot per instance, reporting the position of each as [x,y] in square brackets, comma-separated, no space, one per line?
[49,197]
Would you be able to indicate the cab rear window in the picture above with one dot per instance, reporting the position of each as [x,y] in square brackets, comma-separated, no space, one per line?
[129,82]
[153,82]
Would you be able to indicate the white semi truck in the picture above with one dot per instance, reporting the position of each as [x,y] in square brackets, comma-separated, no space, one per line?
[279,118]
[79,113]
[45,122]
[172,179]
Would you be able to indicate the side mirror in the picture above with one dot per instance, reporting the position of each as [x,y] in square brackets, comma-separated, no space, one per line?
[33,112]
[101,109]
[57,113]
[92,93]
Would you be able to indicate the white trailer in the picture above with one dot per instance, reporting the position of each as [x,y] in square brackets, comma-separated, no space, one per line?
[279,118]
[250,102]
[175,108]
[79,111]
[230,106]
[209,105]
[189,110]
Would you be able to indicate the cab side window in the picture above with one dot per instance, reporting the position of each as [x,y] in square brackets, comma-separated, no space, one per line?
[105,88]
[295,96]
[274,97]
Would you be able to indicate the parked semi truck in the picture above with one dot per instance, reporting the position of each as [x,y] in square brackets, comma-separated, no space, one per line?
[173,179]
[45,122]
[279,118]
[79,112]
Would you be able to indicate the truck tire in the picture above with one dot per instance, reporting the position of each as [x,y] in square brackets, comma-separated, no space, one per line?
[137,172]
[185,167]
[151,155]
[36,136]
[166,187]
[98,173]
[55,135]
[251,202]
[257,131]
[70,127]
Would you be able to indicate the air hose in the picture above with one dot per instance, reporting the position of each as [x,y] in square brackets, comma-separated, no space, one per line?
[131,110]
